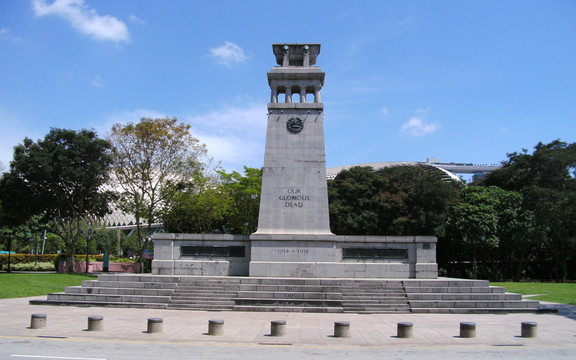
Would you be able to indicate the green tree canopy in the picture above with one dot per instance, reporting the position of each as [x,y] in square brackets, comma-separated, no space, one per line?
[390,201]
[225,203]
[490,227]
[60,177]
[546,179]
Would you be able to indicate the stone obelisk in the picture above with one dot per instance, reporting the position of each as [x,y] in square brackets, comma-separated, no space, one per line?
[294,196]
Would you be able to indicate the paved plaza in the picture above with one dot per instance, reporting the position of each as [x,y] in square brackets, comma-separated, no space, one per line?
[317,329]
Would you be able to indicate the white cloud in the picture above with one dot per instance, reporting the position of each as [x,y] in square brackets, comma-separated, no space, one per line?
[234,135]
[85,19]
[384,111]
[229,53]
[417,126]
[6,34]
[97,82]
[136,20]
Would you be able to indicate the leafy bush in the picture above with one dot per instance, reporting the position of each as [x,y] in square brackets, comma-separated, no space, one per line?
[41,266]
[26,258]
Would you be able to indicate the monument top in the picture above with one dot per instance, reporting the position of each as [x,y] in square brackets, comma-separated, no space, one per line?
[296,54]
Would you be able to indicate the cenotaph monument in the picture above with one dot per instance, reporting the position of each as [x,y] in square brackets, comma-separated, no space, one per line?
[293,237]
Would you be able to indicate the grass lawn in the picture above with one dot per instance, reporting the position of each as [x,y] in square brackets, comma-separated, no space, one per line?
[35,284]
[564,293]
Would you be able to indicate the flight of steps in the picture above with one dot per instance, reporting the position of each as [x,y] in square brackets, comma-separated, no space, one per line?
[205,293]
[374,297]
[291,295]
[464,297]
[212,293]
[134,291]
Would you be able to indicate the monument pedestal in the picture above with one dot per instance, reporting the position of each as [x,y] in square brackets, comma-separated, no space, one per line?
[300,256]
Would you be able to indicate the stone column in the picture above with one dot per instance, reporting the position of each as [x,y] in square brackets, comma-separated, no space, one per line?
[303,94]
[288,95]
[306,55]
[286,59]
[274,95]
[317,98]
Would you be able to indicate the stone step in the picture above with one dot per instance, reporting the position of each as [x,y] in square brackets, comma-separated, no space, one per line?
[289,295]
[471,310]
[100,304]
[128,284]
[200,297]
[372,286]
[376,301]
[118,291]
[471,290]
[461,296]
[208,283]
[289,288]
[139,278]
[378,309]
[360,296]
[289,302]
[203,301]
[291,281]
[109,298]
[475,304]
[201,307]
[204,289]
[445,283]
[204,295]
[284,308]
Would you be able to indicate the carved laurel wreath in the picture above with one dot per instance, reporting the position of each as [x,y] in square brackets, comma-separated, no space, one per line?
[295,125]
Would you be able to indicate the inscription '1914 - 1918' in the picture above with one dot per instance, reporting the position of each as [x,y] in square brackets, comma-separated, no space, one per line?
[294,198]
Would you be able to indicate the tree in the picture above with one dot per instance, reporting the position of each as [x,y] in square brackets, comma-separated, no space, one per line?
[199,207]
[490,228]
[546,180]
[224,203]
[150,161]
[245,192]
[390,201]
[60,177]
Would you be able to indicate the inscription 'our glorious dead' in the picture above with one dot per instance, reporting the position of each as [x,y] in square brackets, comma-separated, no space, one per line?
[294,198]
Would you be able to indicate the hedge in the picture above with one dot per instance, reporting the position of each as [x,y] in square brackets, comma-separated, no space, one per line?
[26,258]
[29,258]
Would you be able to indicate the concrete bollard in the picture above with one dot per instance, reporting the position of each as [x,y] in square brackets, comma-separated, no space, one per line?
[529,329]
[467,329]
[155,325]
[38,321]
[342,329]
[278,328]
[95,323]
[216,327]
[404,330]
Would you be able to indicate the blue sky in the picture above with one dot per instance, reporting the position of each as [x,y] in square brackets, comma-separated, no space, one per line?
[462,81]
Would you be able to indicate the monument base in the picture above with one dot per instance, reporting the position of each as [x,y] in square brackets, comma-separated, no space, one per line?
[302,256]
